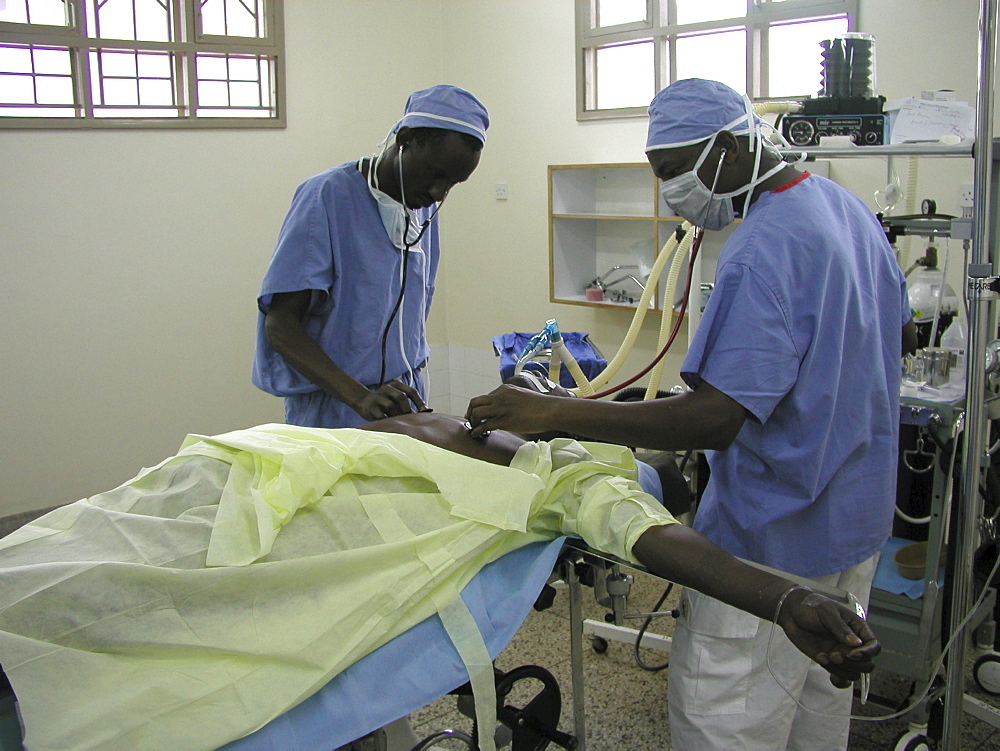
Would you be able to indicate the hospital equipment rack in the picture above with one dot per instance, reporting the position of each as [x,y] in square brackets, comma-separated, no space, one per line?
[982,317]
[910,630]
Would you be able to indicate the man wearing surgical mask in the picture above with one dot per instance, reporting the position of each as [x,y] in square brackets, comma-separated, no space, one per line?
[794,376]
[343,304]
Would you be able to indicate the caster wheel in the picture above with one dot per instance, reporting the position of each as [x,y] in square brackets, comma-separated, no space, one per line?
[986,673]
[912,741]
[599,644]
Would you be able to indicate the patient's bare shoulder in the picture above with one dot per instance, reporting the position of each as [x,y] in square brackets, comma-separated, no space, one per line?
[450,432]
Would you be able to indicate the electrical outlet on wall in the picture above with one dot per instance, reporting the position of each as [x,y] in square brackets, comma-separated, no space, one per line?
[966,198]
[965,195]
[500,191]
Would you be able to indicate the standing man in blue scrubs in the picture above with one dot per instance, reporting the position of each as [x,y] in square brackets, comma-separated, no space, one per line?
[343,305]
[794,372]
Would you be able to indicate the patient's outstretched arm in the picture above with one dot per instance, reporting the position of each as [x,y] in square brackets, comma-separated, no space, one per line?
[825,631]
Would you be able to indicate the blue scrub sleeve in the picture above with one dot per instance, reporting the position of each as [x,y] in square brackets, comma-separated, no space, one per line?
[744,345]
[302,257]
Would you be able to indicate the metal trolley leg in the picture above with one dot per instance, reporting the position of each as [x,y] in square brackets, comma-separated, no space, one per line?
[576,651]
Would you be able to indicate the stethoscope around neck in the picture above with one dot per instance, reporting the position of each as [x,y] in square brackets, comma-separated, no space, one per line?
[407,246]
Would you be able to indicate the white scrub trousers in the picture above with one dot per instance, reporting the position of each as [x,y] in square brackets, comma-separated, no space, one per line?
[721,694]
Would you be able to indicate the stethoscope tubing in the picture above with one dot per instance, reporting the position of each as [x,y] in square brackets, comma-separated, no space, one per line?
[407,247]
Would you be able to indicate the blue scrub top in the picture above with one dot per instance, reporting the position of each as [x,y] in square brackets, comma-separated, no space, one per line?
[333,243]
[804,330]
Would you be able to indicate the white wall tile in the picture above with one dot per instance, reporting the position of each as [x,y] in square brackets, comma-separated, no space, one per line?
[439,359]
[457,405]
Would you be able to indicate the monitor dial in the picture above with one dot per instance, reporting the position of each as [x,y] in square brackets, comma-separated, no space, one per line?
[801,132]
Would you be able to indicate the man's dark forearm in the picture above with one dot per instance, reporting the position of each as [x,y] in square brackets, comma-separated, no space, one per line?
[287,337]
[703,419]
[681,555]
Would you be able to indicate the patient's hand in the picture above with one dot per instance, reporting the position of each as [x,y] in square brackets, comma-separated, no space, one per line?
[832,635]
[450,432]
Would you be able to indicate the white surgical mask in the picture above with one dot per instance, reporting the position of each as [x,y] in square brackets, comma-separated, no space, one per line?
[401,224]
[688,198]
[393,215]
[396,218]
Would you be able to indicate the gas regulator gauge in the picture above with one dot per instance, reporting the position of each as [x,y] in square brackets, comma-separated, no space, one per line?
[801,132]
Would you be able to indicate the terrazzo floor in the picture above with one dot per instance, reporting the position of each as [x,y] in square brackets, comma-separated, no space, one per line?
[626,706]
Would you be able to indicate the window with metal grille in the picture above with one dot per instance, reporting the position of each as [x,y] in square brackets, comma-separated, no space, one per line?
[627,50]
[141,63]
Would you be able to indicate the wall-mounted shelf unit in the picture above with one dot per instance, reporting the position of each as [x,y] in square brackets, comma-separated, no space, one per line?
[602,216]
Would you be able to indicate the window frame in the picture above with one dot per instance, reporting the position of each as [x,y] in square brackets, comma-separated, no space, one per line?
[186,18]
[760,14]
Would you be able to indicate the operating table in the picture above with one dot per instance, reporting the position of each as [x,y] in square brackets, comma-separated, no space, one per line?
[411,670]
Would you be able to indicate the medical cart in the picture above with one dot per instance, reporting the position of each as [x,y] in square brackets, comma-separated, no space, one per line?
[909,616]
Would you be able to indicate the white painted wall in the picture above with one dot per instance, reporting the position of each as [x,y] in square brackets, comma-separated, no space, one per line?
[130,260]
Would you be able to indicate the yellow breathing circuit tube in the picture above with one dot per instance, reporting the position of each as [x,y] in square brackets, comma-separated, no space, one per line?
[680,256]
[764,108]
[550,337]
[561,353]
[670,248]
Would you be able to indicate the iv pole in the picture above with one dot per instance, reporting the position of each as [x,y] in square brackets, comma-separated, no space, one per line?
[981,272]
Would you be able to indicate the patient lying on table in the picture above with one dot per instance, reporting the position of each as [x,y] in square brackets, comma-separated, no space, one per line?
[225,585]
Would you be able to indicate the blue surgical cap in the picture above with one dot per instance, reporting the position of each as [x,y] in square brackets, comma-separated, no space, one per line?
[693,109]
[447,107]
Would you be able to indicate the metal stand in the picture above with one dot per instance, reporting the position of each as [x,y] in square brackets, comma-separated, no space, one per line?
[572,580]
[982,328]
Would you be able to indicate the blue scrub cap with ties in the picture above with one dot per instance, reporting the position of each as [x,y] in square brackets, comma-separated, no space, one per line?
[447,107]
[693,109]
